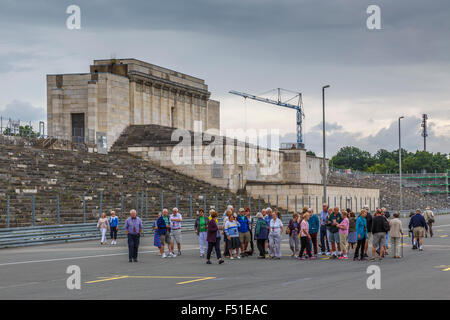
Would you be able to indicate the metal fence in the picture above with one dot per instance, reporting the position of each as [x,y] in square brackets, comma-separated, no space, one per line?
[19,210]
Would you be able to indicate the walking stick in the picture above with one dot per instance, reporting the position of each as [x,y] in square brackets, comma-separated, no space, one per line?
[402,245]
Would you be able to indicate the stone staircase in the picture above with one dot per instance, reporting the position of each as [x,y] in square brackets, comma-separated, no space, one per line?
[27,171]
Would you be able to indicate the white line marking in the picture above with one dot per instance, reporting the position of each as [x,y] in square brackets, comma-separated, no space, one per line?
[80,257]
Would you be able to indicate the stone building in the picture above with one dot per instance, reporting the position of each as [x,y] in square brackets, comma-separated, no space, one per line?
[96,107]
[133,106]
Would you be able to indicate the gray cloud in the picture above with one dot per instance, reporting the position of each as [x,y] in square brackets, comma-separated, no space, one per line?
[253,46]
[21,110]
[386,138]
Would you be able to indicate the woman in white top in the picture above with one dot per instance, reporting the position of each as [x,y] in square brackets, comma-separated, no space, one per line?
[103,225]
[276,230]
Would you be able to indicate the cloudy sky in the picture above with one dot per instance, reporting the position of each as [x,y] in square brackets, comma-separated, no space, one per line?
[254,46]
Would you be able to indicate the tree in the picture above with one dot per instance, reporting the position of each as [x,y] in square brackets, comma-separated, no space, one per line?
[352,158]
[310,153]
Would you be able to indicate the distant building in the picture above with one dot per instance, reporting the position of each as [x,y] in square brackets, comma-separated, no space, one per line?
[96,107]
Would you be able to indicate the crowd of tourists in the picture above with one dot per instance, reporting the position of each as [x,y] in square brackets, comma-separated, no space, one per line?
[334,232]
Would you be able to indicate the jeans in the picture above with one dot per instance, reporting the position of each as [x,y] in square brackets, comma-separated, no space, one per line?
[103,232]
[360,247]
[314,242]
[202,241]
[133,245]
[305,245]
[113,233]
[324,239]
[275,244]
[211,246]
[294,243]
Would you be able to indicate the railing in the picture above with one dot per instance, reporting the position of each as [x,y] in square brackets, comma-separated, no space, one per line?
[29,236]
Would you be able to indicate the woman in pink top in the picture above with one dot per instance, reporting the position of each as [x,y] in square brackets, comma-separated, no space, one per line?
[343,234]
[305,238]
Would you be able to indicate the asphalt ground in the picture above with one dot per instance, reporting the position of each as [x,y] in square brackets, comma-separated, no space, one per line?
[40,273]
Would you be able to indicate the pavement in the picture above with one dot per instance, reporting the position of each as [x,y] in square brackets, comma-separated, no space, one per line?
[40,273]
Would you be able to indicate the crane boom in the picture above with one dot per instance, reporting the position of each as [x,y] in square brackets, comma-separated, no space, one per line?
[280,103]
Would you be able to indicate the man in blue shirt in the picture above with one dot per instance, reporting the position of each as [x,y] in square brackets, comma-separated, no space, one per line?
[418,225]
[244,233]
[133,228]
[323,230]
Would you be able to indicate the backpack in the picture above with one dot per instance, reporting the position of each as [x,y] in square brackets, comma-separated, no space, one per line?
[386,226]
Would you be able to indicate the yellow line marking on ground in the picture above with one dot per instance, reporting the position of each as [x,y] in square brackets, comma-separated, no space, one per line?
[107,279]
[444,236]
[201,279]
[448,269]
[103,279]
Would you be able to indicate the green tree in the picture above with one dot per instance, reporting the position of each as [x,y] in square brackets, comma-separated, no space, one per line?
[352,158]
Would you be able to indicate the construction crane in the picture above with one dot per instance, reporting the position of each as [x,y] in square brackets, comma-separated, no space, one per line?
[279,102]
[425,131]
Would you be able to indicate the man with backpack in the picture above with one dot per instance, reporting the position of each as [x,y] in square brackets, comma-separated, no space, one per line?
[429,219]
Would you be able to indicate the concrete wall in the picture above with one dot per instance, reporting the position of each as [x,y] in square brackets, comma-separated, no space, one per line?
[238,167]
[311,195]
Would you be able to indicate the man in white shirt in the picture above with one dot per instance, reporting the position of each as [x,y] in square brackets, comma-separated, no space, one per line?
[175,230]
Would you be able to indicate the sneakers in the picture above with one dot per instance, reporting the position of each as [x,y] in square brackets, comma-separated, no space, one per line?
[420,248]
[302,258]
[238,256]
[179,253]
[208,262]
[343,258]
[163,255]
[171,255]
[221,261]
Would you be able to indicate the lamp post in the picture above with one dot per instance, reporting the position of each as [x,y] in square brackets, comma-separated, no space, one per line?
[400,161]
[323,136]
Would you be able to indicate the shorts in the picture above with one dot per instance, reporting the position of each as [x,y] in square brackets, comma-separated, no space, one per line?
[343,240]
[379,239]
[164,238]
[333,237]
[419,232]
[176,235]
[245,237]
[234,243]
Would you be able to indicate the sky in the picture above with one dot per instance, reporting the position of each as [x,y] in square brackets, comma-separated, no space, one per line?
[253,46]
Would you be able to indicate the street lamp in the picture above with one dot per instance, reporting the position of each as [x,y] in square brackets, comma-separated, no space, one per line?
[323,136]
[400,161]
